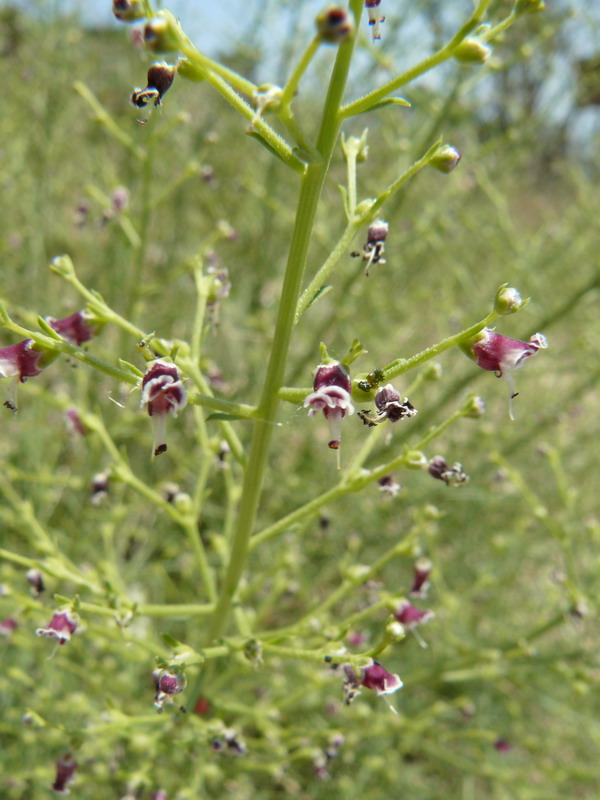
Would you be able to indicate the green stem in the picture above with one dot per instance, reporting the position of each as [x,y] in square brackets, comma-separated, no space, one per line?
[310,191]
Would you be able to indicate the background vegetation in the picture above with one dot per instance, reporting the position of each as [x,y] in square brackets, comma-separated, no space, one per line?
[512,654]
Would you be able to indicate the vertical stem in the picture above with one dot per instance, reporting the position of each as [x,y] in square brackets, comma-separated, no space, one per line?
[310,192]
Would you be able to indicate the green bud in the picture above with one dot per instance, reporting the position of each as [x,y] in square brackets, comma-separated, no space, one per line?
[189,71]
[472,51]
[508,301]
[445,158]
[334,25]
[63,266]
[529,6]
[357,146]
[394,631]
[474,407]
[415,459]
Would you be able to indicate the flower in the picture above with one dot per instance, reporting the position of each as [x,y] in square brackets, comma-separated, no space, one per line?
[331,396]
[421,572]
[373,677]
[21,361]
[61,627]
[162,393]
[65,771]
[496,353]
[128,10]
[372,7]
[389,406]
[7,626]
[159,79]
[36,580]
[373,250]
[388,486]
[452,476]
[78,328]
[410,617]
[167,684]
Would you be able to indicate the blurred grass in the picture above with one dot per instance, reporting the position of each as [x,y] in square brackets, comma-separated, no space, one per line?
[517,210]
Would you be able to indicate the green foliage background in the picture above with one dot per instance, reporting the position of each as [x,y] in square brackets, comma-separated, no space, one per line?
[521,208]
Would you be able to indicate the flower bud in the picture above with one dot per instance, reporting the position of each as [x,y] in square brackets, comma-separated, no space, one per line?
[421,571]
[161,34]
[334,25]
[474,407]
[445,159]
[508,301]
[36,580]
[529,6]
[472,51]
[128,10]
[167,685]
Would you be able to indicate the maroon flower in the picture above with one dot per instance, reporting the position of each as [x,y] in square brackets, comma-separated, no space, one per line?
[331,396]
[167,684]
[410,617]
[334,25]
[65,771]
[36,580]
[389,406]
[128,10]
[373,677]
[502,746]
[388,486]
[372,7]
[74,422]
[159,79]
[21,361]
[61,627]
[77,328]
[162,393]
[373,250]
[453,475]
[496,353]
[8,626]
[422,571]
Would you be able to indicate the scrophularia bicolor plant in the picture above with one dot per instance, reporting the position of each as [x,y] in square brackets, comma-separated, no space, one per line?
[163,393]
[331,395]
[496,353]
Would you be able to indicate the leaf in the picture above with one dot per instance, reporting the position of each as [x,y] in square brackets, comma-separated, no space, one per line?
[387,101]
[320,293]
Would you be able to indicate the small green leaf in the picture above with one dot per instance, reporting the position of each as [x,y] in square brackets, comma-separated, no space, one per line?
[387,101]
[130,368]
[222,415]
[320,293]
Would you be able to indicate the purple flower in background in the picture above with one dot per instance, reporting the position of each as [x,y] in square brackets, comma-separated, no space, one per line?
[61,627]
[410,617]
[375,19]
[65,772]
[78,328]
[421,572]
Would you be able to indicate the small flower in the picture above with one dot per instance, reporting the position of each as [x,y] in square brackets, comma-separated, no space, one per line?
[202,706]
[452,476]
[502,746]
[266,97]
[331,396]
[446,158]
[388,486]
[373,677]
[162,393]
[36,580]
[98,488]
[120,200]
[159,795]
[65,771]
[8,626]
[421,571]
[373,250]
[21,361]
[411,617]
[159,79]
[372,7]
[496,353]
[167,685]
[389,406]
[78,328]
[334,25]
[74,422]
[61,627]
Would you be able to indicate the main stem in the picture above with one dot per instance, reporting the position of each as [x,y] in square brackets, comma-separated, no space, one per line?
[310,192]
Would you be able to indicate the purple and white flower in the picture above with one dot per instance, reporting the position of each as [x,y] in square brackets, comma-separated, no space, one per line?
[163,393]
[331,395]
